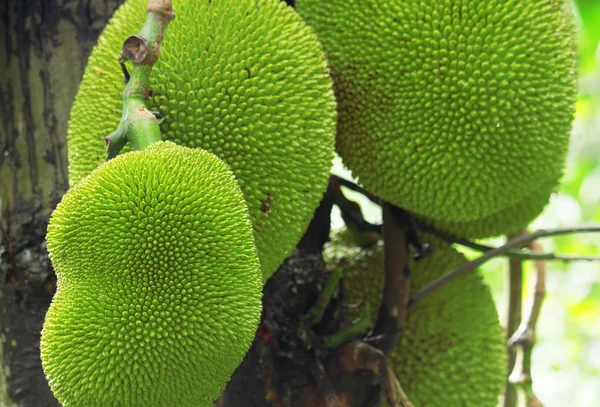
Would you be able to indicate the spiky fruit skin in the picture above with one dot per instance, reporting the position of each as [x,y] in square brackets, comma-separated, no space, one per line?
[159,284]
[244,79]
[452,110]
[507,221]
[453,351]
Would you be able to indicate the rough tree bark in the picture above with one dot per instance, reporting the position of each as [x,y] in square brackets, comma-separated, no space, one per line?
[44,45]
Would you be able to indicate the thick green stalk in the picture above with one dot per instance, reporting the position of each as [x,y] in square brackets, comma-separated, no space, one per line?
[138,125]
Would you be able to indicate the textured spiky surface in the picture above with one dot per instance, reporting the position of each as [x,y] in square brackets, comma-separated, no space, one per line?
[452,110]
[453,351]
[506,221]
[159,285]
[244,79]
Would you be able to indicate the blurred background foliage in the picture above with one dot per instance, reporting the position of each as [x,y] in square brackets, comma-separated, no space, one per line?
[566,359]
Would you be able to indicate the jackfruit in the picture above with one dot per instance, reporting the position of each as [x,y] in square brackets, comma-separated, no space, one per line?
[453,351]
[244,79]
[159,285]
[507,221]
[452,110]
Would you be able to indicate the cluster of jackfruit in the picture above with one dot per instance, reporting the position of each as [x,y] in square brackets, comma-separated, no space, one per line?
[459,112]
[453,351]
[244,79]
[161,254]
[456,111]
[159,284]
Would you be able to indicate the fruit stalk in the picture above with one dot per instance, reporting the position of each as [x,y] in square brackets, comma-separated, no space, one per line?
[138,125]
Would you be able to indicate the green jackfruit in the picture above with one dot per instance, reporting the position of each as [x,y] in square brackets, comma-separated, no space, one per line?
[452,110]
[453,351]
[244,79]
[506,221]
[159,284]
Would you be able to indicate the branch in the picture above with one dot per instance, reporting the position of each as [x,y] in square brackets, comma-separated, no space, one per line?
[513,254]
[472,265]
[138,125]
[396,289]
[524,338]
[514,296]
[521,255]
[363,233]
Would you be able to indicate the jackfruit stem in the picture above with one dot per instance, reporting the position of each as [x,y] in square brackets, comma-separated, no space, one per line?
[138,125]
[315,313]
[354,330]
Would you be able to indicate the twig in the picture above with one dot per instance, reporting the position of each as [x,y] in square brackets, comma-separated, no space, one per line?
[514,254]
[521,255]
[514,300]
[472,265]
[524,338]
[396,289]
[357,355]
[138,125]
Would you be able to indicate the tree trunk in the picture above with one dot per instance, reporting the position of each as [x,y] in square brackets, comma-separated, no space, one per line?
[44,46]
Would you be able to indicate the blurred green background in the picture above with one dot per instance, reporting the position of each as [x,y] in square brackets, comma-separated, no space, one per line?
[566,359]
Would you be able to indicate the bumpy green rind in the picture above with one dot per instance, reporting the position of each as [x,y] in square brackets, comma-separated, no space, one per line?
[244,79]
[506,221]
[159,284]
[453,351]
[452,110]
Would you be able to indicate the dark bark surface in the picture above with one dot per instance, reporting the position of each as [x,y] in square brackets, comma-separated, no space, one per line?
[44,46]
